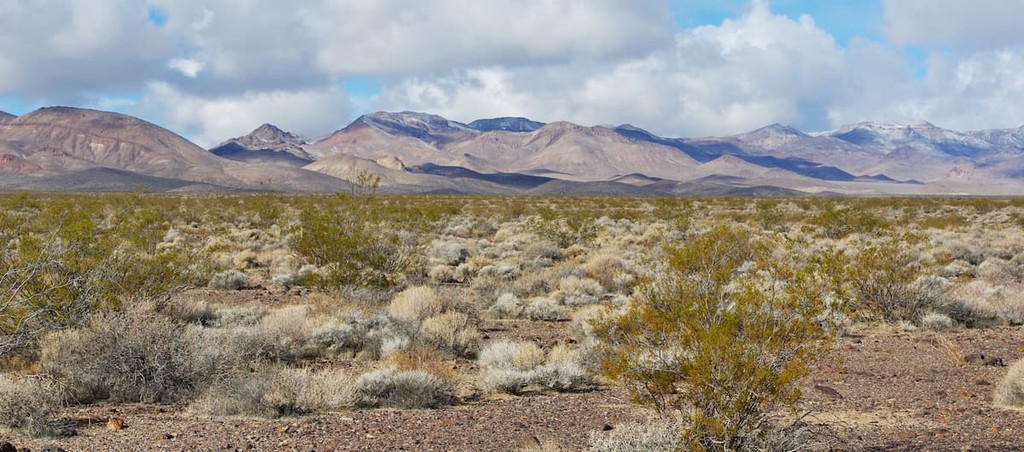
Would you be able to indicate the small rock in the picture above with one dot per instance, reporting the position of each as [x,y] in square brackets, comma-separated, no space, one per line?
[284,429]
[980,359]
[115,423]
[829,392]
[52,448]
[607,427]
[982,382]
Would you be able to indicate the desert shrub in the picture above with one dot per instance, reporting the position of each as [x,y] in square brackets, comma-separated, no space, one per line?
[240,316]
[655,435]
[29,404]
[605,267]
[580,291]
[230,280]
[723,347]
[837,221]
[452,332]
[56,279]
[352,245]
[448,252]
[936,321]
[273,392]
[889,285]
[512,366]
[267,393]
[511,355]
[390,388]
[1010,391]
[416,303]
[562,376]
[189,311]
[125,357]
[508,306]
[544,308]
[542,253]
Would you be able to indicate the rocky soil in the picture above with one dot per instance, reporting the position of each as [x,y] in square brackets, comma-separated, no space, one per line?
[879,389]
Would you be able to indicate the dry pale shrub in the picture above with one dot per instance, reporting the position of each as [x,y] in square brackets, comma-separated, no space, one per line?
[415,304]
[562,376]
[421,358]
[240,316]
[29,404]
[512,366]
[510,355]
[230,280]
[190,311]
[604,267]
[544,308]
[936,321]
[1010,392]
[654,435]
[274,392]
[391,388]
[442,273]
[270,392]
[508,306]
[452,332]
[580,291]
[448,252]
[125,357]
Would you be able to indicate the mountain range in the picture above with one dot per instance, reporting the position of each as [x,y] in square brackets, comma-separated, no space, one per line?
[73,149]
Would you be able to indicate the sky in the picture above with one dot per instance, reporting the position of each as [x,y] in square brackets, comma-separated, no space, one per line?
[216,69]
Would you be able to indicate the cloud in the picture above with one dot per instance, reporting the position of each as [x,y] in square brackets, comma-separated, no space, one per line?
[389,37]
[214,69]
[963,25]
[211,120]
[736,76]
[58,49]
[188,67]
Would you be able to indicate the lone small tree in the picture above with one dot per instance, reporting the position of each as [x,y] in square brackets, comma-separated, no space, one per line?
[722,335]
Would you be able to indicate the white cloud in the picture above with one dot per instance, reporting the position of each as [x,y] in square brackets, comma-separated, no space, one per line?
[211,120]
[58,49]
[411,36]
[737,76]
[188,67]
[964,25]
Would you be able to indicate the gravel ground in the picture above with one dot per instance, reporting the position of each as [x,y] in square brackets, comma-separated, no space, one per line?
[876,390]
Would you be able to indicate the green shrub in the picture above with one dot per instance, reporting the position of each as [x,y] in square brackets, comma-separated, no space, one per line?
[352,245]
[889,285]
[722,346]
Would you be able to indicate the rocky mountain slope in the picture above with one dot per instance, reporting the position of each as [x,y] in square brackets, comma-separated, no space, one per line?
[418,152]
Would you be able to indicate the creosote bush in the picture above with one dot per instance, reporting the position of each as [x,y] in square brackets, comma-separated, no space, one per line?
[353,245]
[722,346]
